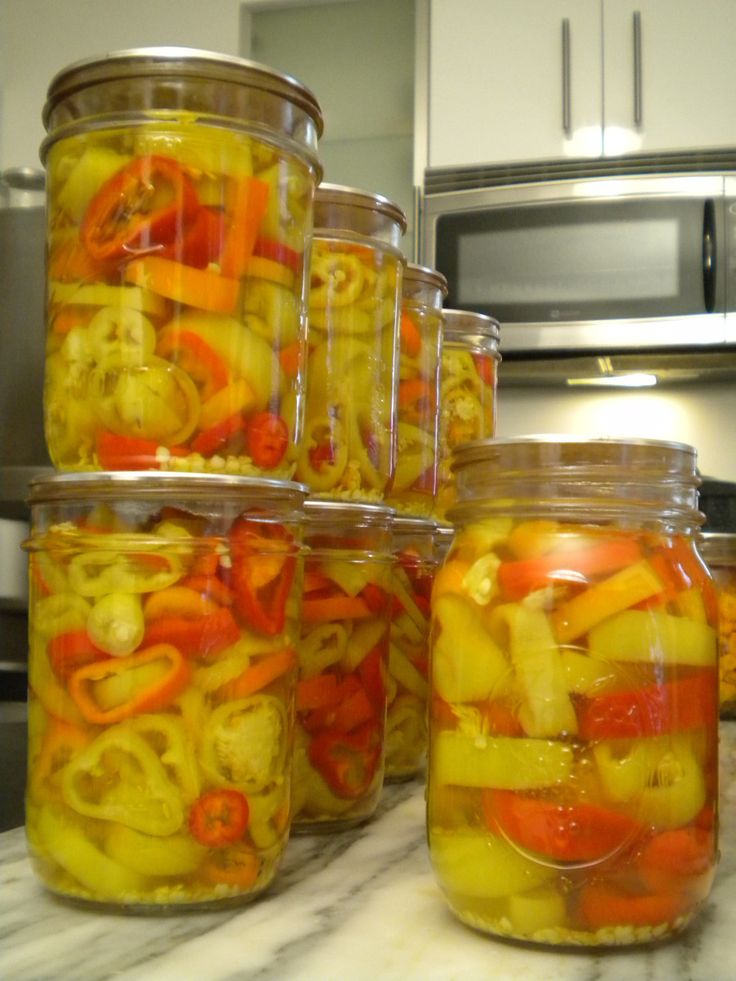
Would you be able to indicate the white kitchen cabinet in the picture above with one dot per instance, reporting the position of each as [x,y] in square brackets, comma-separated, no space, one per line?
[524,80]
[684,96]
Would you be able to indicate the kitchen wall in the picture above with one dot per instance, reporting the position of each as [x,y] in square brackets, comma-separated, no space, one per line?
[701,414]
[39,37]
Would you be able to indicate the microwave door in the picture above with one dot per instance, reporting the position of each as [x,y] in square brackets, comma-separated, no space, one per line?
[591,273]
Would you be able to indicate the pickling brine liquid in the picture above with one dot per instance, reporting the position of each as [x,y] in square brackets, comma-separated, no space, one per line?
[573,757]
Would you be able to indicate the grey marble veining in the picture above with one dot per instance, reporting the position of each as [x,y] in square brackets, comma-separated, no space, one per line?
[358,905]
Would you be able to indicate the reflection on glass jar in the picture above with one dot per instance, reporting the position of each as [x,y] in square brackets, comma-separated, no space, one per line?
[415,551]
[349,445]
[468,382]
[343,657]
[573,726]
[414,484]
[719,552]
[163,633]
[176,263]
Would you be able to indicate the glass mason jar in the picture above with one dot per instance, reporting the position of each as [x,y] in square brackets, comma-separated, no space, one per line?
[414,546]
[163,627]
[443,539]
[468,379]
[719,552]
[349,445]
[180,190]
[343,655]
[573,729]
[414,484]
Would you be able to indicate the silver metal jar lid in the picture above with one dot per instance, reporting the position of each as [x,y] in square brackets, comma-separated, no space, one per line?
[415,275]
[146,84]
[155,484]
[338,208]
[458,323]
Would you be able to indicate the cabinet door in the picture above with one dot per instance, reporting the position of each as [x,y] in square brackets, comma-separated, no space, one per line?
[513,80]
[669,75]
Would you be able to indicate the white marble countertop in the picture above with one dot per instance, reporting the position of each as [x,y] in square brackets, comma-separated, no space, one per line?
[358,905]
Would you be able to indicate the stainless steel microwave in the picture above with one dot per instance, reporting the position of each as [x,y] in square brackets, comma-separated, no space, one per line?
[605,264]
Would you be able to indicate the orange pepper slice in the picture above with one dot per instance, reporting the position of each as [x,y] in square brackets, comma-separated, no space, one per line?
[185,284]
[151,679]
[245,214]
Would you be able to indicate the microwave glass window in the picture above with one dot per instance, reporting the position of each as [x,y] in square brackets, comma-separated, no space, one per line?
[579,260]
[584,263]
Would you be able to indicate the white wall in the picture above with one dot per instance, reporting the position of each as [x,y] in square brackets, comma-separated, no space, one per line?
[40,37]
[702,415]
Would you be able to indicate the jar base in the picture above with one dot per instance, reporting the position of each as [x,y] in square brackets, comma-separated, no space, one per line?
[571,940]
[330,826]
[156,909]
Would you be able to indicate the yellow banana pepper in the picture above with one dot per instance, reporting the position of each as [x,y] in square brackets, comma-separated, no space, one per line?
[483,866]
[634,634]
[546,706]
[470,759]
[623,589]
[467,664]
[119,777]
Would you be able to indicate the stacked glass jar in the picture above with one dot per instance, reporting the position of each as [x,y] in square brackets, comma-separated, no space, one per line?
[347,459]
[719,552]
[467,401]
[166,579]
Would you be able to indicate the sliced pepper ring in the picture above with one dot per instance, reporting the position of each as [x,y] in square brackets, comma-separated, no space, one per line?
[336,279]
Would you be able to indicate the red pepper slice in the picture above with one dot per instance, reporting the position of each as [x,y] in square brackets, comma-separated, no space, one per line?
[215,438]
[117,452]
[651,710]
[271,249]
[677,860]
[521,576]
[485,366]
[347,760]
[268,437]
[219,817]
[200,638]
[202,239]
[71,650]
[567,832]
[202,363]
[140,208]
[263,567]
[603,906]
[372,674]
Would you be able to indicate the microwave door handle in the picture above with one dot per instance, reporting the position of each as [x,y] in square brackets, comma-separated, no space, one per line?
[566,115]
[709,255]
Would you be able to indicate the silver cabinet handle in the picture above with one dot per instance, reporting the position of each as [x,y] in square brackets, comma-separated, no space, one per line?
[637,70]
[566,116]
